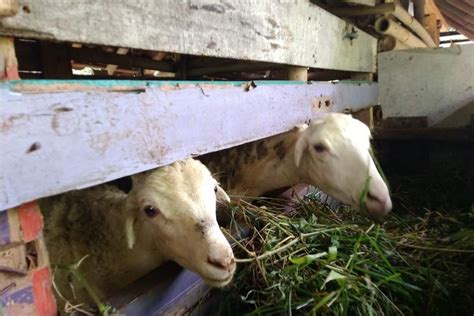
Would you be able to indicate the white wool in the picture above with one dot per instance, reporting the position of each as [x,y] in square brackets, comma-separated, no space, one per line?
[93,222]
[340,170]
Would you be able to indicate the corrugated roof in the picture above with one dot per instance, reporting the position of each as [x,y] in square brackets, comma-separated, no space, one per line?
[459,14]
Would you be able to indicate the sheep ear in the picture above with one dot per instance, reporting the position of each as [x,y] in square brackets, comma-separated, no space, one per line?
[129,231]
[300,127]
[300,148]
[221,196]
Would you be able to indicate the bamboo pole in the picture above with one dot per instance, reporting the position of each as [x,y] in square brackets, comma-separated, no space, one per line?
[404,17]
[396,10]
[389,27]
[387,43]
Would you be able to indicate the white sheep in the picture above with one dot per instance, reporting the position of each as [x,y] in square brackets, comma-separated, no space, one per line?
[331,153]
[169,214]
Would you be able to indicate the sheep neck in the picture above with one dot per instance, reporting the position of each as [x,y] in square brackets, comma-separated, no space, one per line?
[253,169]
[92,222]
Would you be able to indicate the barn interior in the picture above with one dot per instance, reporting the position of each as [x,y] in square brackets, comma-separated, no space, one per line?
[91,99]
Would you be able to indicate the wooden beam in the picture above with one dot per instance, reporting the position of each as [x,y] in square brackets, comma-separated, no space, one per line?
[8,61]
[362,76]
[431,26]
[435,92]
[111,68]
[93,55]
[426,134]
[8,7]
[298,73]
[168,290]
[369,3]
[431,7]
[366,116]
[236,66]
[295,33]
[82,133]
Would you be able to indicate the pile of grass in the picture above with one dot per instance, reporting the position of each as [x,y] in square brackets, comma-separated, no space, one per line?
[318,261]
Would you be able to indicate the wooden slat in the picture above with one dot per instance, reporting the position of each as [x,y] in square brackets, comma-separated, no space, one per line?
[168,290]
[411,86]
[428,134]
[288,32]
[63,135]
[96,56]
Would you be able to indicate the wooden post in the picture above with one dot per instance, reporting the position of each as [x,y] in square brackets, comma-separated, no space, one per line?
[8,7]
[366,116]
[8,61]
[182,73]
[111,68]
[362,76]
[298,73]
[28,290]
[431,25]
[56,60]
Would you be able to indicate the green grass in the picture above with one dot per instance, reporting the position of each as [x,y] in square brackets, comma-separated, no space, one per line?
[317,261]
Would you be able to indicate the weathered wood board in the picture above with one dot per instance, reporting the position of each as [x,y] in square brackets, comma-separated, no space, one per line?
[62,135]
[294,32]
[437,83]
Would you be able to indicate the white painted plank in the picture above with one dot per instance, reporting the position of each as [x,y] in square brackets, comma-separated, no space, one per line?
[52,142]
[436,83]
[289,32]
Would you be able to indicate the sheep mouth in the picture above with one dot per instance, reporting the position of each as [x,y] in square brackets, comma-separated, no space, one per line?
[218,282]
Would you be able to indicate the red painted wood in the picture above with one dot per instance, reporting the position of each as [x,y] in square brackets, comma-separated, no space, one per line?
[42,293]
[11,64]
[30,220]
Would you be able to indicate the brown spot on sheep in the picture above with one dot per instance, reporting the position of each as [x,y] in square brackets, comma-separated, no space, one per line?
[280,149]
[262,150]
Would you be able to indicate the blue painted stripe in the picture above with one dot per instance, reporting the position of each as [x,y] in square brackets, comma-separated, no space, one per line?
[140,83]
[23,296]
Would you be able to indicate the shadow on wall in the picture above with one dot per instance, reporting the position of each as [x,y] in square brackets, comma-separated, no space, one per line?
[462,117]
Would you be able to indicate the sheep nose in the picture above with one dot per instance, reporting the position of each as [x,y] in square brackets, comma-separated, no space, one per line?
[378,206]
[221,263]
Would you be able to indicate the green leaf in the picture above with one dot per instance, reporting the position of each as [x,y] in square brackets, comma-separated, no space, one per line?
[332,253]
[333,275]
[304,260]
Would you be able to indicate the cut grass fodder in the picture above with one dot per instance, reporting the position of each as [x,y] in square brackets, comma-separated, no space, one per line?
[318,261]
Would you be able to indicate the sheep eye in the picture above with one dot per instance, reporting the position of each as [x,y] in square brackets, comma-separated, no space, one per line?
[150,211]
[215,189]
[319,148]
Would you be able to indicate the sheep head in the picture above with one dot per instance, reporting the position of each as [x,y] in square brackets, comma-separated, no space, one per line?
[333,153]
[172,209]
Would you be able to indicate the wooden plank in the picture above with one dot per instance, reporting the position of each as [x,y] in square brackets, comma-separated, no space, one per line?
[63,135]
[110,68]
[370,3]
[431,26]
[366,116]
[298,73]
[405,122]
[288,32]
[8,61]
[435,92]
[168,290]
[96,56]
[8,7]
[427,134]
